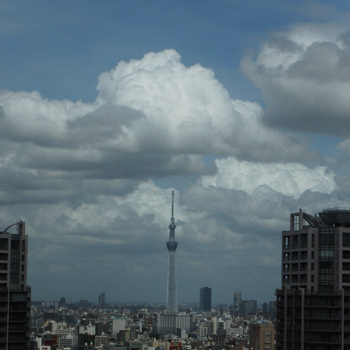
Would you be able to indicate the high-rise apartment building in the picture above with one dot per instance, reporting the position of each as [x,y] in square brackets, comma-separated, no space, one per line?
[313,304]
[261,336]
[14,292]
[205,299]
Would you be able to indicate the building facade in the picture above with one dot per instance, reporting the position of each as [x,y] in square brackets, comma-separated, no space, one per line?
[205,299]
[248,307]
[313,304]
[15,295]
[261,336]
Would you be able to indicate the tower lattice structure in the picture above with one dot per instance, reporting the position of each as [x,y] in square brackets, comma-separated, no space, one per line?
[171,296]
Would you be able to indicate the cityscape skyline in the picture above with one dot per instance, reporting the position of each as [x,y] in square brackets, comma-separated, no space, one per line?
[240,109]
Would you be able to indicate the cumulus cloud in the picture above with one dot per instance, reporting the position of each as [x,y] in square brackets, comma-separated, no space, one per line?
[304,76]
[153,117]
[86,179]
[188,110]
[290,179]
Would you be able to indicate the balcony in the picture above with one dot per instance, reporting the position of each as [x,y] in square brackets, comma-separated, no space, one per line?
[320,328]
[322,316]
[322,304]
[322,340]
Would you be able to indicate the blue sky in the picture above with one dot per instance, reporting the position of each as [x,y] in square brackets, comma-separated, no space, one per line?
[82,39]
[106,107]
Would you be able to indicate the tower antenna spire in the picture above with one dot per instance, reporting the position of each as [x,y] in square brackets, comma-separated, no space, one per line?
[172,205]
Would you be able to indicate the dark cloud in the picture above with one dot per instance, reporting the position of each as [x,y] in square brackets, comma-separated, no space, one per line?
[305,79]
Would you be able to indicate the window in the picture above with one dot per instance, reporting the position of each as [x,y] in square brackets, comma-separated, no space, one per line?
[346,239]
[3,243]
[346,254]
[296,222]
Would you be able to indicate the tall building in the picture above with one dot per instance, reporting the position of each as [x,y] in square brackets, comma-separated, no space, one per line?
[171,294]
[272,310]
[205,299]
[265,308]
[313,304]
[237,298]
[261,336]
[248,307]
[102,300]
[14,292]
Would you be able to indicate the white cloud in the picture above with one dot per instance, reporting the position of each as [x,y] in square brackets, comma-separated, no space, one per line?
[187,110]
[84,177]
[291,179]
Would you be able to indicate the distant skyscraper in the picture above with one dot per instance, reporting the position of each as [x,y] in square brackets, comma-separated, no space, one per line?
[205,299]
[14,292]
[236,300]
[171,294]
[265,308]
[62,302]
[247,307]
[102,300]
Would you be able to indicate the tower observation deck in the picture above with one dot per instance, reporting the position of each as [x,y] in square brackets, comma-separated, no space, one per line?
[171,295]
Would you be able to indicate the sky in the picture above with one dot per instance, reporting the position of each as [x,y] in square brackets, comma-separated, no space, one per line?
[241,108]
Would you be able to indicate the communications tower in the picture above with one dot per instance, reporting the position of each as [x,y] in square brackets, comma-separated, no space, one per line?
[171,295]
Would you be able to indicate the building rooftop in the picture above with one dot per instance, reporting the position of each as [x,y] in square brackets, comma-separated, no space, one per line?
[336,216]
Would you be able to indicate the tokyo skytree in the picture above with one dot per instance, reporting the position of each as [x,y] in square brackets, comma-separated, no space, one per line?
[171,295]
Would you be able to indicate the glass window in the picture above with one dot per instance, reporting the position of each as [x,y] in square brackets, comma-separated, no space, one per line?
[346,254]
[346,239]
[3,243]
